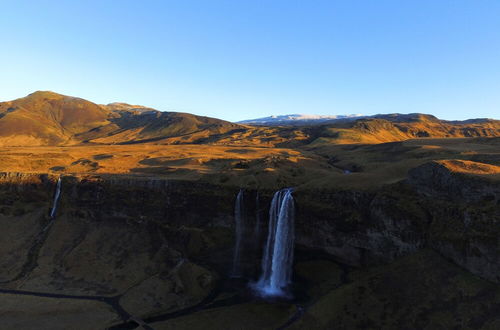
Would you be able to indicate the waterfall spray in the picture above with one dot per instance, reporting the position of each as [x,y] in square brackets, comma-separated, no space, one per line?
[238,219]
[277,260]
[56,198]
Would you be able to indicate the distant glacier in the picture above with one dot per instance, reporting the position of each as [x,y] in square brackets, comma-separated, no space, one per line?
[297,119]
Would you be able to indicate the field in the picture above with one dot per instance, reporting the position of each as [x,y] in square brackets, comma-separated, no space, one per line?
[361,166]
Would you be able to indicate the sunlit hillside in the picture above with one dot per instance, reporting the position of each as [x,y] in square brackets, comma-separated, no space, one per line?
[51,119]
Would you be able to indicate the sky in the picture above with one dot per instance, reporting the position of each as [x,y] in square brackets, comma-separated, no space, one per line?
[243,59]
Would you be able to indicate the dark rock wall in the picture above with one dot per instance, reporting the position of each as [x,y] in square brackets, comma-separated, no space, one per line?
[137,227]
[465,214]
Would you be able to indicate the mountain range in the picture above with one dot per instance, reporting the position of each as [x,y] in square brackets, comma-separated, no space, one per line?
[46,118]
[309,119]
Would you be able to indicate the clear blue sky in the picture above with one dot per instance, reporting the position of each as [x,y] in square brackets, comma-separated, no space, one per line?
[240,59]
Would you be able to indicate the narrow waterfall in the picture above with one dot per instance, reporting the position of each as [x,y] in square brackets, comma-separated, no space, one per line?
[239,214]
[56,199]
[278,253]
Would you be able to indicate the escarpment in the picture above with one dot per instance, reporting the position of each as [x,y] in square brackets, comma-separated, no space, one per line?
[156,219]
[156,246]
[98,246]
[465,212]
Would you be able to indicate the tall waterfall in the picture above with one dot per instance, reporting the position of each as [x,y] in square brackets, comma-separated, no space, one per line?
[238,219]
[278,253]
[56,198]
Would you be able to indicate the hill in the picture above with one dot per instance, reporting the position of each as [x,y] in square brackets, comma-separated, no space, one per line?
[46,118]
[50,119]
[397,127]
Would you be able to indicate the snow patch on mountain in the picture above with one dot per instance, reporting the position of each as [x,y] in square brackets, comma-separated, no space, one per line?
[297,119]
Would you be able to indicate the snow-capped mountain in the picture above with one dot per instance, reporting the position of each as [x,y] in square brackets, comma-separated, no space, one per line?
[296,119]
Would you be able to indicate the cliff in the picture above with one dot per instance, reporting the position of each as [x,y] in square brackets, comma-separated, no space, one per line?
[155,245]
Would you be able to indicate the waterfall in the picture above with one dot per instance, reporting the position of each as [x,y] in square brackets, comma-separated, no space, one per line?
[278,253]
[238,219]
[56,198]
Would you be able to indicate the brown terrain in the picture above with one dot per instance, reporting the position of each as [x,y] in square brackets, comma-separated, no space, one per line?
[397,223]
[47,132]
[51,119]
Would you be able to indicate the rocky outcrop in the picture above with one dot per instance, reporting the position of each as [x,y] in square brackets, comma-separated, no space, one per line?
[455,213]
[465,212]
[461,181]
[360,228]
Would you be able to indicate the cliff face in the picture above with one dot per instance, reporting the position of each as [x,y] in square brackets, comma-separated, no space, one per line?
[140,241]
[161,245]
[455,214]
[465,213]
[362,228]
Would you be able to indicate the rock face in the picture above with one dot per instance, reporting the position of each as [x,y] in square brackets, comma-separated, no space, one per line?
[143,241]
[162,245]
[454,213]
[465,213]
[360,228]
[448,180]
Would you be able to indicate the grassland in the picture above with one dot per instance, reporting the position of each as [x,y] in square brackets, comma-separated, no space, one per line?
[360,166]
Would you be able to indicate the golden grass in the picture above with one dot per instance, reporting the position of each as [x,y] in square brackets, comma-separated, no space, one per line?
[120,159]
[369,165]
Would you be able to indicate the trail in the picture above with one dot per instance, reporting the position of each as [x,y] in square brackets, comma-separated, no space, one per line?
[111,301]
[206,304]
